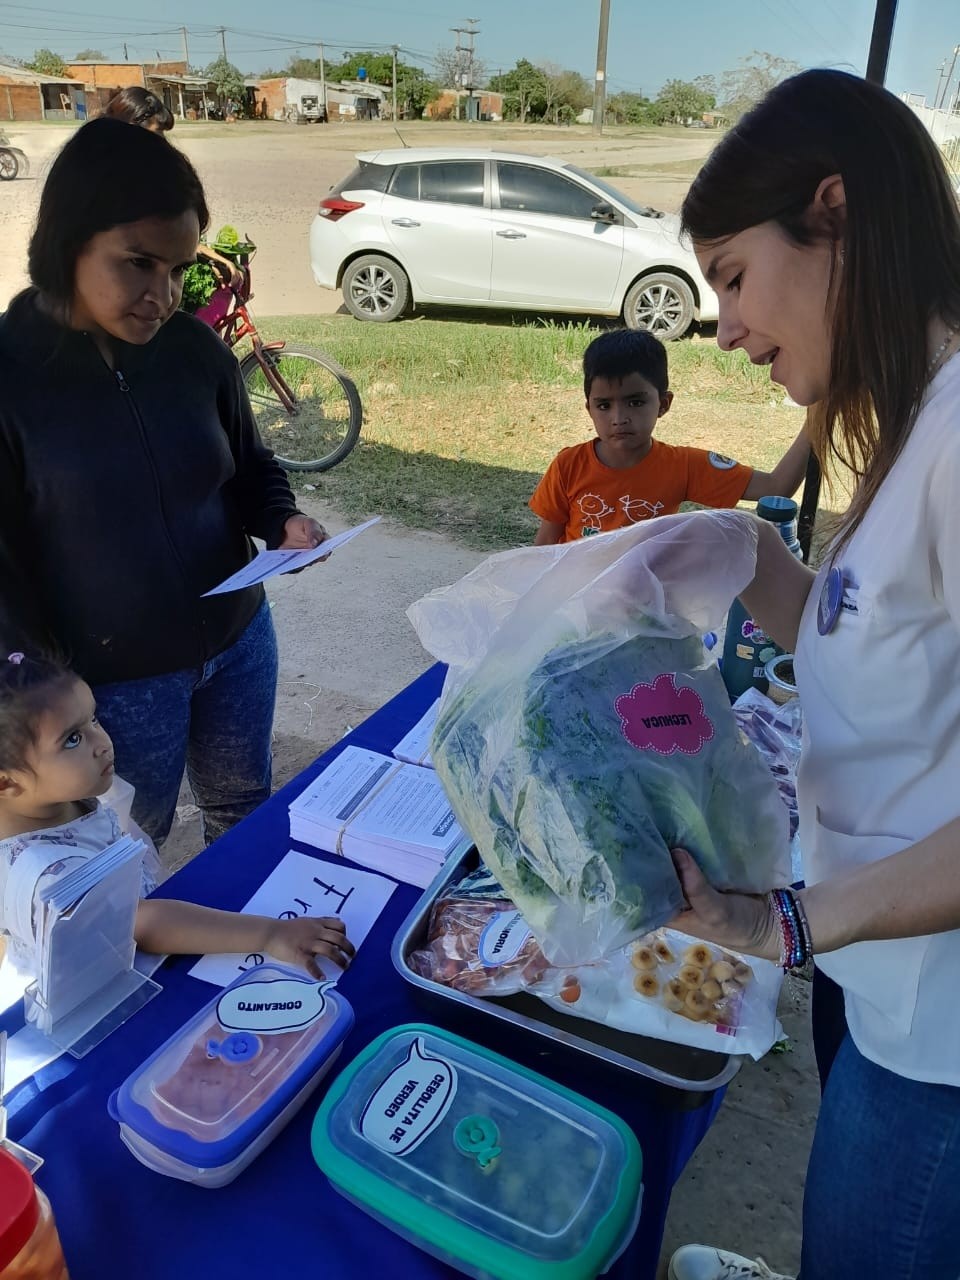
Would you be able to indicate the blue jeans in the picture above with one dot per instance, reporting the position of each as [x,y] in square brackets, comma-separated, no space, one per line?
[216,721]
[882,1199]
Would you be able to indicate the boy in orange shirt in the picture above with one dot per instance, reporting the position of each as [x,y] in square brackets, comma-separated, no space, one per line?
[625,476]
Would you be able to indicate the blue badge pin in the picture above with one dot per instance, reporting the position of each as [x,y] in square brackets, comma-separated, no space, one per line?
[831,601]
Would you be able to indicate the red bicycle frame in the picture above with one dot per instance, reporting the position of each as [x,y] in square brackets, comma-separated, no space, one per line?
[233,322]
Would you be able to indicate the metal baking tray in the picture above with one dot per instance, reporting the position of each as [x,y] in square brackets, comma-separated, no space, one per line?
[693,1073]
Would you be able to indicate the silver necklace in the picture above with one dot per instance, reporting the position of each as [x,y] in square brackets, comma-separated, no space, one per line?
[935,358]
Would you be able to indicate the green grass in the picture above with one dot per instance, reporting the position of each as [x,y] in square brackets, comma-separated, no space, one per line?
[651,169]
[461,417]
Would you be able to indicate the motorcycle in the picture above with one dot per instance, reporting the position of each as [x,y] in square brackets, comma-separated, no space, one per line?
[13,163]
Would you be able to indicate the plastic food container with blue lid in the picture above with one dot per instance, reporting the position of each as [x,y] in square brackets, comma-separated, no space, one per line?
[495,1170]
[222,1087]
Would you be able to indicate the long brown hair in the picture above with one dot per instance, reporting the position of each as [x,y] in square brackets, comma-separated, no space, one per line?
[107,174]
[900,242]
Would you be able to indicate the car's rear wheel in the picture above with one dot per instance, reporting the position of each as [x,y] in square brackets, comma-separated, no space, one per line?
[661,303]
[375,288]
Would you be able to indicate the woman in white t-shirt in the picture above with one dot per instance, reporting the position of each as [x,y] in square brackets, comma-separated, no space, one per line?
[826,223]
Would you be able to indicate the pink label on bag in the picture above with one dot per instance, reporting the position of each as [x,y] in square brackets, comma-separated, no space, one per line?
[660,717]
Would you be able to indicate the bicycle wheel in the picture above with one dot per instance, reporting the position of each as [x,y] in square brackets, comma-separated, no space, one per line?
[323,423]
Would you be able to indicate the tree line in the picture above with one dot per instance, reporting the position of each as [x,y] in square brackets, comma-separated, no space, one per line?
[545,92]
[532,92]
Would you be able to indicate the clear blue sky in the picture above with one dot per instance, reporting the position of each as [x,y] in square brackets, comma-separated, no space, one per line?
[650,41]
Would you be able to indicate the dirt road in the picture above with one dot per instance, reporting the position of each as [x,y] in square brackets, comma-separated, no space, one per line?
[267,179]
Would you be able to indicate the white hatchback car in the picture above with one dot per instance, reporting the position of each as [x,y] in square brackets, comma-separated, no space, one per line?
[457,227]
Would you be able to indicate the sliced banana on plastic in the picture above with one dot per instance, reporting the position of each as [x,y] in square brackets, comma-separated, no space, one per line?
[699,954]
[644,958]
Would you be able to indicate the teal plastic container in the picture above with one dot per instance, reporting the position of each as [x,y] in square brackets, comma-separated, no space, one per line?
[495,1170]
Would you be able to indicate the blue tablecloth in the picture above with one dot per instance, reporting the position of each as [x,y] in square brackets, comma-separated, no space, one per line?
[118,1219]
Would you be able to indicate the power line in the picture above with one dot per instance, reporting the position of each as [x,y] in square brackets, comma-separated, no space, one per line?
[276,39]
[838,17]
[785,19]
[813,29]
[72,13]
[246,43]
[74,31]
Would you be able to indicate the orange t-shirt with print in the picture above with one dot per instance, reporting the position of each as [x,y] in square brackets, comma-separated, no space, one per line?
[587,497]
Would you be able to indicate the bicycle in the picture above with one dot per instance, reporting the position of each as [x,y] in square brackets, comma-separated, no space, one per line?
[306,405]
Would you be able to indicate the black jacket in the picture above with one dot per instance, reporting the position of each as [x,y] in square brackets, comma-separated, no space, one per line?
[124,496]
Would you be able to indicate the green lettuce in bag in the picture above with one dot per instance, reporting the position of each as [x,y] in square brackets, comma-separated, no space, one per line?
[584,732]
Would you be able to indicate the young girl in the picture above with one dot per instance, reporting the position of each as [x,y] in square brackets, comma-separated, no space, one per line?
[827,225]
[55,760]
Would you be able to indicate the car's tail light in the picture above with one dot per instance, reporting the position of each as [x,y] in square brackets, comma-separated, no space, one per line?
[335,207]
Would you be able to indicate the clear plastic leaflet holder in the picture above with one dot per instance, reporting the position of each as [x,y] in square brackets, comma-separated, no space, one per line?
[27,1158]
[86,984]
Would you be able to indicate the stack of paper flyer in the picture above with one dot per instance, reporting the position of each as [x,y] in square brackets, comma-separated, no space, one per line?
[380,812]
[85,947]
[414,747]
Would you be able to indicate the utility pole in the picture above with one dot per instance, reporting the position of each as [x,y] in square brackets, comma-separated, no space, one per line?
[946,84]
[941,69]
[186,51]
[465,50]
[323,79]
[394,84]
[600,81]
[223,41]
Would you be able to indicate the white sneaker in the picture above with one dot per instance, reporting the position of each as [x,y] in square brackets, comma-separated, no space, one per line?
[700,1262]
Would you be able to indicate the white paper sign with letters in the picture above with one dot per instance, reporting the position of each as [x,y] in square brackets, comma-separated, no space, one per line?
[300,885]
[272,1006]
[410,1102]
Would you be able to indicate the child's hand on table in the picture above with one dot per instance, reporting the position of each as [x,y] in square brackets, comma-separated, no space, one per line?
[301,942]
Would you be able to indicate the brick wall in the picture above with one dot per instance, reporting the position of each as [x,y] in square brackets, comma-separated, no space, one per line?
[107,75]
[445,107]
[20,101]
[166,69]
[275,92]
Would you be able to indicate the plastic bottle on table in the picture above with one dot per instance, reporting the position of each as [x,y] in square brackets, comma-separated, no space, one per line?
[29,1244]
[746,650]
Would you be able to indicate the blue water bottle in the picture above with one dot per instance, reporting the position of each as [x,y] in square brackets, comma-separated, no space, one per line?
[746,649]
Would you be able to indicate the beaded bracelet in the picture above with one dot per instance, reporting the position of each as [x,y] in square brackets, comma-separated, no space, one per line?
[796,945]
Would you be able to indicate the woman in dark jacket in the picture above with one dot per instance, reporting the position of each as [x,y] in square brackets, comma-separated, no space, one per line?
[132,479]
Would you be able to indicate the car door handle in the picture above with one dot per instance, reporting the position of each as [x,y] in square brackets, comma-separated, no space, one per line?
[405,222]
[512,235]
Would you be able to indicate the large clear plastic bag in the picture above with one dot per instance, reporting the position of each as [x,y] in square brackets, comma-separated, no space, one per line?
[776,730]
[583,730]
